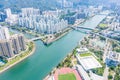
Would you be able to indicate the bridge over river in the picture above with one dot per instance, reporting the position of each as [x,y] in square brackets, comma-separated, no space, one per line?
[82,29]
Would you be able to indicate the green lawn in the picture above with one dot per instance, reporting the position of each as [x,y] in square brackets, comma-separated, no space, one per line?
[85,54]
[103,25]
[69,76]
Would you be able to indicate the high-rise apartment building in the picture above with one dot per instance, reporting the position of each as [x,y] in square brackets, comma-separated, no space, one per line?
[47,23]
[2,17]
[8,12]
[10,45]
[27,12]
[6,48]
[15,44]
[21,40]
[11,18]
[4,33]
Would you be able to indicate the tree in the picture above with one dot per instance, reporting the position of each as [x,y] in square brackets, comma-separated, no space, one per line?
[110,76]
[102,38]
[114,45]
[5,60]
[117,77]
[112,68]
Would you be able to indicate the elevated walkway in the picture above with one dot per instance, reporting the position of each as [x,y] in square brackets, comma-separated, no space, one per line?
[36,38]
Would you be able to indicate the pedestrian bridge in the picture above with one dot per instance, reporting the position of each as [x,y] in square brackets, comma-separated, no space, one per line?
[35,39]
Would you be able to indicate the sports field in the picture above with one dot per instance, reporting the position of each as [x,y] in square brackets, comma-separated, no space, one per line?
[69,76]
[66,74]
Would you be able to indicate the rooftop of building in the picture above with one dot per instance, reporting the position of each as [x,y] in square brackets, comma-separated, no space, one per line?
[88,61]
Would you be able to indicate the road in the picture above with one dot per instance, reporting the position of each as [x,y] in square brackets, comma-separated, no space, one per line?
[106,73]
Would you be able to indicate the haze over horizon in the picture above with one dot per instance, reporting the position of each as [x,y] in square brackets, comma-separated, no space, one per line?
[45,4]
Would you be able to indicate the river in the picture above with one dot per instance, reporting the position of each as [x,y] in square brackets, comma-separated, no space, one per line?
[45,58]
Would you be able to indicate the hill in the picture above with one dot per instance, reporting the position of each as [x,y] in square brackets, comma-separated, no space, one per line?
[15,5]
